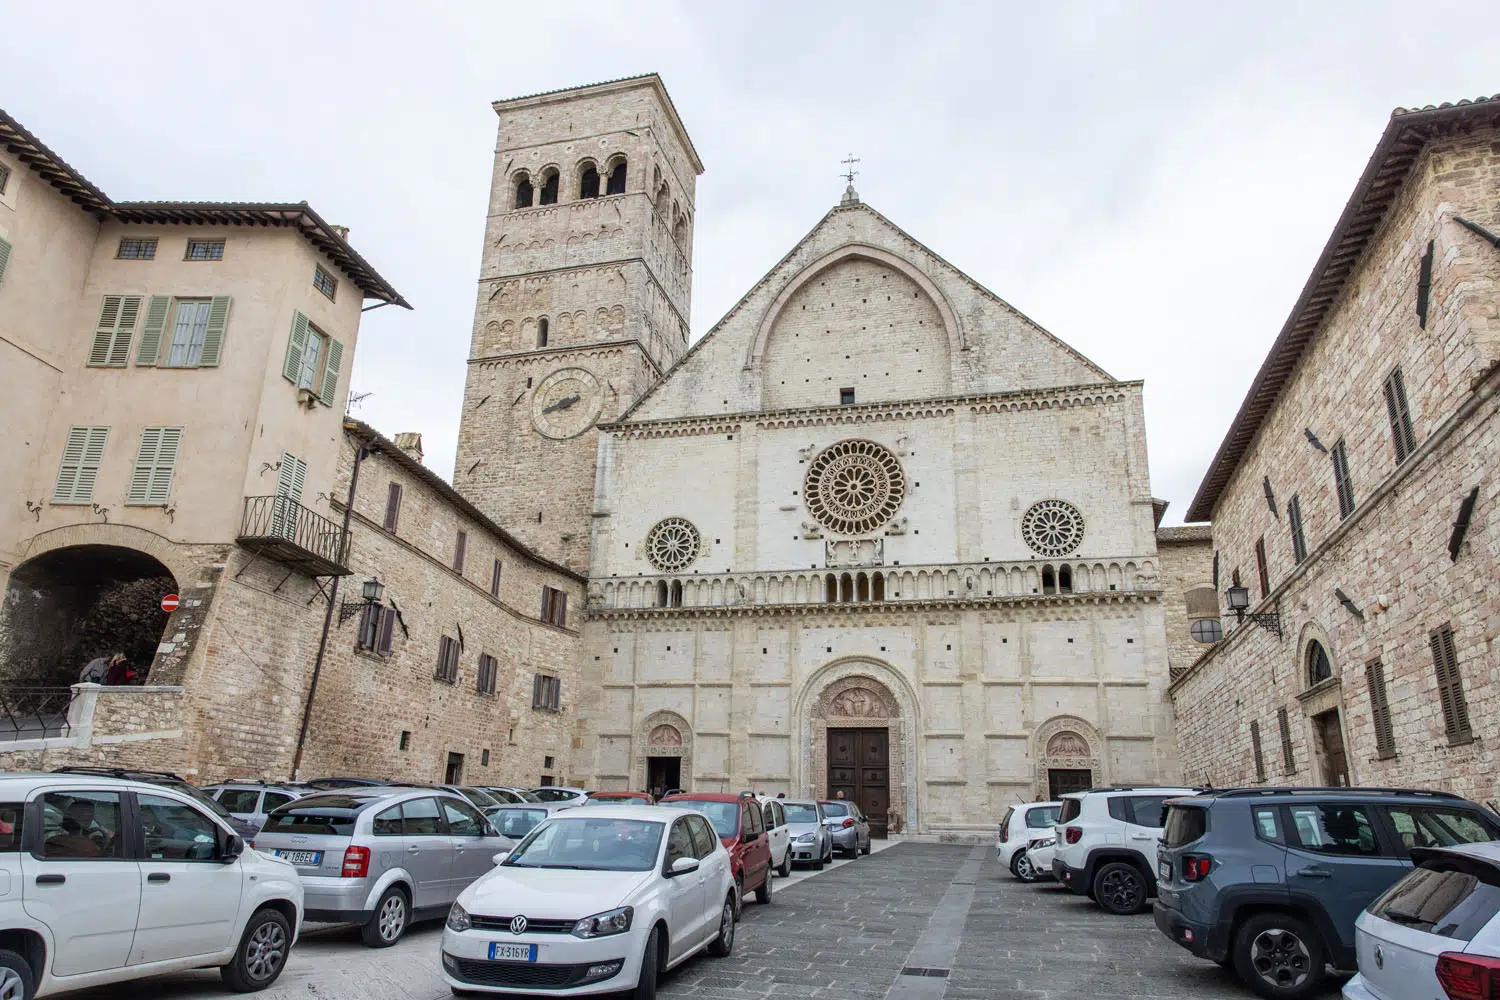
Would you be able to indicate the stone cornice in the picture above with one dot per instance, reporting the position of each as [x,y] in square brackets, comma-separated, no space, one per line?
[1059,397]
[541,353]
[1053,603]
[619,263]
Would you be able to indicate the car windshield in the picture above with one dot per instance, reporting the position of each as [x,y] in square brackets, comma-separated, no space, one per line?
[725,816]
[177,785]
[835,810]
[613,845]
[613,800]
[553,794]
[516,823]
[796,812]
[479,796]
[526,795]
[1046,816]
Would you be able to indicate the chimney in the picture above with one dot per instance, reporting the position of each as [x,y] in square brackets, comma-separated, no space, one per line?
[342,231]
[411,443]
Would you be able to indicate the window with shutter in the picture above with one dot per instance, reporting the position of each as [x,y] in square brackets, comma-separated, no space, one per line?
[155,463]
[213,335]
[447,667]
[151,332]
[369,627]
[79,469]
[1402,434]
[1260,760]
[1342,484]
[189,328]
[1450,684]
[387,631]
[495,580]
[1294,523]
[330,390]
[392,506]
[1284,724]
[290,479]
[296,346]
[309,373]
[1380,711]
[459,545]
[4,257]
[1260,565]
[488,669]
[117,319]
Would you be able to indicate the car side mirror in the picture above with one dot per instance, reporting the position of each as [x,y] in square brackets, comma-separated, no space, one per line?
[500,856]
[231,846]
[682,866]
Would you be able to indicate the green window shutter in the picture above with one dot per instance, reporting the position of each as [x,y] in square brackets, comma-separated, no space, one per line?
[295,345]
[4,257]
[213,337]
[79,469]
[145,466]
[119,350]
[155,464]
[331,372]
[104,333]
[112,335]
[156,321]
[292,477]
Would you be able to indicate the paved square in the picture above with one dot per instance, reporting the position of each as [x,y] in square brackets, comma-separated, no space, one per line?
[845,933]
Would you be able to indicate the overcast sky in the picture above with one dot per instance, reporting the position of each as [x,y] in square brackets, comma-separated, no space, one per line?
[1150,182]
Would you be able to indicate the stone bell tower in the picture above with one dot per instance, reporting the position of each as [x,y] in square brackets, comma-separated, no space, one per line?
[584,289]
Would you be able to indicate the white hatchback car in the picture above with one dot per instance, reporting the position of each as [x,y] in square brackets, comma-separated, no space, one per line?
[111,880]
[1022,825]
[594,901]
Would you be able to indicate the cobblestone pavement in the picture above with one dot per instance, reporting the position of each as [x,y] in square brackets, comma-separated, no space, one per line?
[842,934]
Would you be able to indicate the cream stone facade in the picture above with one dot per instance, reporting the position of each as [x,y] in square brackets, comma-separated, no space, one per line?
[1374,419]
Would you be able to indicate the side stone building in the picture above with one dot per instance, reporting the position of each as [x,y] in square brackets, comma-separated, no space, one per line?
[1354,496]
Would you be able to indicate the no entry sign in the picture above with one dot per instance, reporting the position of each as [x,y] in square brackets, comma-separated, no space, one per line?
[169,603]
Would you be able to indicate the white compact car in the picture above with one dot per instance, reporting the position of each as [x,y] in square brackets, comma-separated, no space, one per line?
[1022,825]
[1434,933]
[111,880]
[779,832]
[594,901]
[1034,864]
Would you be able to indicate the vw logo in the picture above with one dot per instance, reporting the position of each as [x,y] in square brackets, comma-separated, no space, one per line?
[1379,958]
[518,925]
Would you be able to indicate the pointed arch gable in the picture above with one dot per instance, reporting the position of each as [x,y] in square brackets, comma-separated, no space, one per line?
[861,251]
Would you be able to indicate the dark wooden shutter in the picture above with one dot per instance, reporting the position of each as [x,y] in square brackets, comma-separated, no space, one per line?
[1216,569]
[546,604]
[392,506]
[1380,711]
[1260,760]
[495,580]
[1287,760]
[560,603]
[1424,286]
[1341,481]
[1294,522]
[459,544]
[387,630]
[1270,496]
[1397,409]
[1450,684]
[1260,565]
[536,691]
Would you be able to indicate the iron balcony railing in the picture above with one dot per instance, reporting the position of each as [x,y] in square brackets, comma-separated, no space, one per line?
[280,528]
[33,713]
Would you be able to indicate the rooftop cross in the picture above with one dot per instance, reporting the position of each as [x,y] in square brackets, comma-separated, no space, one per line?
[851,173]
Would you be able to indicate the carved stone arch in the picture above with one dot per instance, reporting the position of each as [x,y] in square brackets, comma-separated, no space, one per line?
[825,701]
[1066,741]
[1311,632]
[851,251]
[662,725]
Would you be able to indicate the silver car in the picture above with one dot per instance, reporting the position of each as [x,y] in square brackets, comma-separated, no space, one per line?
[382,856]
[251,801]
[847,826]
[811,843]
[514,822]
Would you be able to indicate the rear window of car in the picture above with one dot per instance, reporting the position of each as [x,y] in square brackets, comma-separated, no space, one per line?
[1451,899]
[1039,819]
[1141,810]
[1071,808]
[835,809]
[516,823]
[725,816]
[1184,825]
[10,826]
[553,795]
[327,815]
[797,812]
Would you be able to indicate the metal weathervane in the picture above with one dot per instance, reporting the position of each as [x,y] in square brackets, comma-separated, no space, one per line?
[851,173]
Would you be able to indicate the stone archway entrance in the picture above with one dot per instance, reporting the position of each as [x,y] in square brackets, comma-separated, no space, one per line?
[859,750]
[1066,751]
[664,754]
[72,604]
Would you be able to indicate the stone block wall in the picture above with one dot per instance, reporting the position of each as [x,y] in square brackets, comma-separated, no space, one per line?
[1186,557]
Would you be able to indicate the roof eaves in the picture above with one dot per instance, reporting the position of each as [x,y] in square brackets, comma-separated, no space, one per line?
[1383,178]
[53,168]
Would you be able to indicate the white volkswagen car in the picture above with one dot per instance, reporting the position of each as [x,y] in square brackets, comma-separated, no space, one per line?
[594,901]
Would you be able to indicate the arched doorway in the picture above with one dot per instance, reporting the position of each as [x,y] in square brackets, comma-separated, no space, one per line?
[69,605]
[1066,750]
[859,721]
[664,753]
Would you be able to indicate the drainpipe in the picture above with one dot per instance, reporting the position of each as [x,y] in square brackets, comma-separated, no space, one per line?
[360,452]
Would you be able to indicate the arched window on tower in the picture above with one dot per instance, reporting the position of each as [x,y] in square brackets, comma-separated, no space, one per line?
[877,587]
[661,593]
[541,332]
[676,594]
[588,182]
[663,202]
[616,179]
[830,588]
[549,187]
[523,191]
[1049,580]
[1065,579]
[679,231]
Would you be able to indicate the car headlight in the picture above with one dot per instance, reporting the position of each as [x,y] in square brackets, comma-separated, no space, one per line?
[1043,843]
[458,918]
[604,924]
[807,838]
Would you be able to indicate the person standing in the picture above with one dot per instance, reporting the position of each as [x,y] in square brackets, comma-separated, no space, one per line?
[95,671]
[119,670]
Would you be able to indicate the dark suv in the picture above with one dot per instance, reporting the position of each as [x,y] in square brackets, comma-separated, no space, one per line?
[1271,880]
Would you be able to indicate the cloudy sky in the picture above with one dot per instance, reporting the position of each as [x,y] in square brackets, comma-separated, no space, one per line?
[1152,182]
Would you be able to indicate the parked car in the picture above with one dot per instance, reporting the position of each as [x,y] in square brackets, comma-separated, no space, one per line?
[594,901]
[514,822]
[1272,880]
[847,827]
[329,784]
[166,779]
[381,856]
[561,793]
[111,880]
[1019,828]
[619,799]
[250,801]
[811,842]
[508,795]
[1106,844]
[1035,862]
[741,825]
[778,832]
[1435,932]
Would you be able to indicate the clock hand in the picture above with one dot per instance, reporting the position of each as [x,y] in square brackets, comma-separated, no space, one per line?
[561,404]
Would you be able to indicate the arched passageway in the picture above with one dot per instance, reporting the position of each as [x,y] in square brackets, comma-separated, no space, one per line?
[69,605]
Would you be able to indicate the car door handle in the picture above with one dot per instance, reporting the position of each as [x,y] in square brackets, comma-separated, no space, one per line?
[413,849]
[51,879]
[1314,873]
[1141,836]
[158,877]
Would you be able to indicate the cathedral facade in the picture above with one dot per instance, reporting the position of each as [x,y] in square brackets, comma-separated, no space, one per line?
[876,532]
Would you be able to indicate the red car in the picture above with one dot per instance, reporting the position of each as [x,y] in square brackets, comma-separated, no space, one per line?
[738,821]
[619,799]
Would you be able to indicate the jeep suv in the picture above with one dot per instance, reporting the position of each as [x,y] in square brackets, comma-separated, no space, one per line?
[1271,880]
[1106,844]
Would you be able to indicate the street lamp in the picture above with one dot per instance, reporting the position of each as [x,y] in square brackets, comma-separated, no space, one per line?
[371,592]
[1239,603]
[1239,599]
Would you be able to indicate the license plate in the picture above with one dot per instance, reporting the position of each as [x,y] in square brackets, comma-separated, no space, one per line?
[512,952]
[301,857]
[1164,870]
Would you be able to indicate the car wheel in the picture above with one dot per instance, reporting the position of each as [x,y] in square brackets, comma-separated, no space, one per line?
[645,984]
[1022,868]
[739,895]
[722,945]
[17,981]
[786,864]
[869,846]
[389,922]
[1279,956]
[763,894]
[260,956]
[1120,888]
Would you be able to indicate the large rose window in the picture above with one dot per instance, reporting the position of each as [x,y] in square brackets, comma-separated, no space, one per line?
[854,487]
[673,544]
[1052,527]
